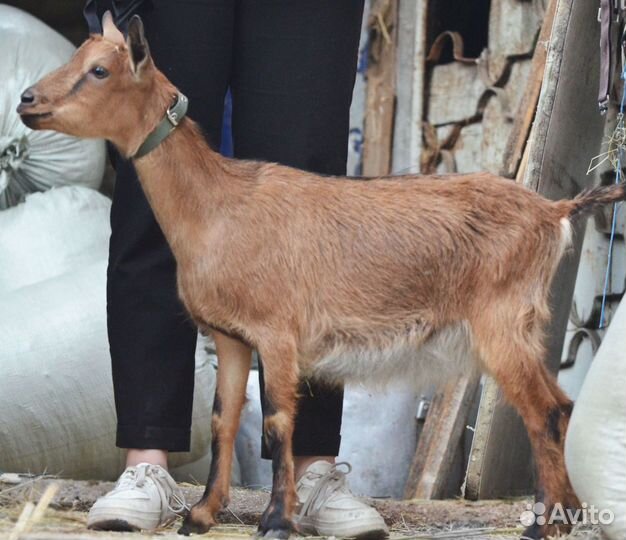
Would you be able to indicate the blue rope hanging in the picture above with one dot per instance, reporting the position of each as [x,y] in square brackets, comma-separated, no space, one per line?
[618,175]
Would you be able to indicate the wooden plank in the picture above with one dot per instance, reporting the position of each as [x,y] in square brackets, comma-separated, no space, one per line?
[513,27]
[451,149]
[521,172]
[440,439]
[407,136]
[357,107]
[453,92]
[467,153]
[528,104]
[381,76]
[567,132]
[497,123]
[489,471]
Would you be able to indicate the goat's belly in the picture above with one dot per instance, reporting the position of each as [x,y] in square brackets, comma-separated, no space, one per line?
[418,358]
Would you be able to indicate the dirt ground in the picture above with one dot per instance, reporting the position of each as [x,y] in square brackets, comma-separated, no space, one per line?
[66,515]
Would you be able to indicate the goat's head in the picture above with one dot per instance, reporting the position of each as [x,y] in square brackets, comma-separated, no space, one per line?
[110,89]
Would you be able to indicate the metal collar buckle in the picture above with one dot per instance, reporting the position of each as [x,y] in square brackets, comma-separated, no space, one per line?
[173,117]
[171,114]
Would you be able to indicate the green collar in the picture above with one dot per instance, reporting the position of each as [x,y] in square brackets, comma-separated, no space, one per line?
[174,114]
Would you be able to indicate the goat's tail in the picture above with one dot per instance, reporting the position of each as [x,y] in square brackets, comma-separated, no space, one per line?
[587,201]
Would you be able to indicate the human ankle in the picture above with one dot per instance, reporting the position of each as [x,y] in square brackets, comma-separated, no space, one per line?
[301,463]
[135,456]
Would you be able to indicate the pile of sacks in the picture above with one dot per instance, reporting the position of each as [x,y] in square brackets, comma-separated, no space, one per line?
[56,394]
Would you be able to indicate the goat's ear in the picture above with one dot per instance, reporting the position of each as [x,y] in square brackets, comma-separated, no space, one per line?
[110,31]
[137,44]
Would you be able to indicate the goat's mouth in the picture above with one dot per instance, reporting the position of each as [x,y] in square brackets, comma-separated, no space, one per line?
[32,120]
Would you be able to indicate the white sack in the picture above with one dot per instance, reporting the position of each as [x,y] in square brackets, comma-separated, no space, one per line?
[378,438]
[52,233]
[56,393]
[595,447]
[36,160]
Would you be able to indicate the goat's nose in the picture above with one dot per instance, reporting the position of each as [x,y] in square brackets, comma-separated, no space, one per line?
[28,97]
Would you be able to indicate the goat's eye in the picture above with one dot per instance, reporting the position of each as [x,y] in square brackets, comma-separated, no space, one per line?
[99,72]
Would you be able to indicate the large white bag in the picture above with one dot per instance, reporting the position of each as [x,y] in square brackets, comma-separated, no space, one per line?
[595,447]
[52,233]
[56,395]
[378,438]
[36,160]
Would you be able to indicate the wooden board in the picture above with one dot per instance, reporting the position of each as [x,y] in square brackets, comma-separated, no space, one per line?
[513,27]
[453,92]
[498,119]
[381,76]
[407,136]
[439,443]
[528,102]
[464,155]
[566,134]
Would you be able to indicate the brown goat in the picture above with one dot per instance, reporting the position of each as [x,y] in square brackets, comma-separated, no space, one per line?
[328,277]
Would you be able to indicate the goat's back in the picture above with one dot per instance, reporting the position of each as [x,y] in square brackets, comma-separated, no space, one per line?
[353,258]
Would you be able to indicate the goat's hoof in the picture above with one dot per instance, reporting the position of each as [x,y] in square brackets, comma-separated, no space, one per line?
[274,524]
[193,527]
[533,532]
[281,534]
[539,532]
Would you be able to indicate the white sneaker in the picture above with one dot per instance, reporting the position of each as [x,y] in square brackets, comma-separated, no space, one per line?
[140,501]
[328,508]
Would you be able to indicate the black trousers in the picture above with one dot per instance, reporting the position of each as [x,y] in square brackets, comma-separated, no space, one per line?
[290,65]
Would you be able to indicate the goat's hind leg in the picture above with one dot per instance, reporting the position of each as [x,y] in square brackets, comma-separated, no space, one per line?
[514,356]
[232,376]
[281,382]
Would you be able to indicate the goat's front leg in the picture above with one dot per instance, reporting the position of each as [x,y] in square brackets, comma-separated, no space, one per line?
[281,381]
[232,377]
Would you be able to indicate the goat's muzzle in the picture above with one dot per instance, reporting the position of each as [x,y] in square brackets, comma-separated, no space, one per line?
[27,108]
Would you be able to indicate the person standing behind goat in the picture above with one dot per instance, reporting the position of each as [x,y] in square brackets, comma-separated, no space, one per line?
[290,65]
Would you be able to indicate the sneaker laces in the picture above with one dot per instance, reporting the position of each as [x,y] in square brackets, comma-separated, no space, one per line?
[328,484]
[136,477]
[178,497]
[131,477]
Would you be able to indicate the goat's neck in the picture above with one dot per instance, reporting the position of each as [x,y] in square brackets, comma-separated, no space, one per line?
[185,182]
